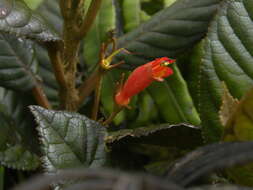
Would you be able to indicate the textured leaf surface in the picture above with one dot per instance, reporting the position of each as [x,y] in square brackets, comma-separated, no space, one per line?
[209,158]
[18,143]
[226,56]
[17,63]
[16,18]
[169,32]
[69,139]
[51,11]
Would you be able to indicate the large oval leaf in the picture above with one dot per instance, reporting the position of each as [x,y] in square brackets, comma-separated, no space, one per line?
[169,32]
[16,63]
[69,139]
[18,19]
[226,56]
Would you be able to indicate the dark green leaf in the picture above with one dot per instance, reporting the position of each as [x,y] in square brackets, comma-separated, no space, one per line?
[226,56]
[18,141]
[169,32]
[209,158]
[221,187]
[181,135]
[17,63]
[69,139]
[50,10]
[16,18]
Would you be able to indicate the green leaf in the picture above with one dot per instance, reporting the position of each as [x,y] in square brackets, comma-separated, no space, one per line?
[226,56]
[69,139]
[50,9]
[131,14]
[17,63]
[169,32]
[105,21]
[16,18]
[181,135]
[33,4]
[18,145]
[173,100]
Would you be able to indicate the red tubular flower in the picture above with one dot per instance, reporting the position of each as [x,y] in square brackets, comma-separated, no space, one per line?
[142,77]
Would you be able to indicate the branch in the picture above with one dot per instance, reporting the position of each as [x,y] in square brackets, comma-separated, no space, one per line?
[89,18]
[40,97]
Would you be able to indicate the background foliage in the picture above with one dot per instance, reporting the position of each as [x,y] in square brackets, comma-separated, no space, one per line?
[166,132]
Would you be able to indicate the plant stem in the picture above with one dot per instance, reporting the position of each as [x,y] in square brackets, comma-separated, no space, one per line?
[89,18]
[112,116]
[97,99]
[40,97]
[89,85]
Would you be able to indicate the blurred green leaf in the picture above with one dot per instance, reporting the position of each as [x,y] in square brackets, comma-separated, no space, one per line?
[69,139]
[131,14]
[105,21]
[33,4]
[169,32]
[16,18]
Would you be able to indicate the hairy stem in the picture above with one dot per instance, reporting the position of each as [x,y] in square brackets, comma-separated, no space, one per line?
[89,84]
[40,97]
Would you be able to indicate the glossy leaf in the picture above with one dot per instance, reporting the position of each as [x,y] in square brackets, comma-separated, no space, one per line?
[226,56]
[169,32]
[17,63]
[69,139]
[16,18]
[18,145]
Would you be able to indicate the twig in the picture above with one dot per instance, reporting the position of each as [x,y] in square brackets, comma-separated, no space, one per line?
[40,97]
[97,98]
[113,115]
[89,18]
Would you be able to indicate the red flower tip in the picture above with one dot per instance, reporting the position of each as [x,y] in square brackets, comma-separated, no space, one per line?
[142,77]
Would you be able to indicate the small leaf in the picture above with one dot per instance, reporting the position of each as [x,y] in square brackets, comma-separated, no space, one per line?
[229,105]
[16,18]
[69,139]
[16,63]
